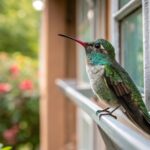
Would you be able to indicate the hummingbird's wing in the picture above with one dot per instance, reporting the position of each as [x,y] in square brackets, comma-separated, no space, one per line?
[128,95]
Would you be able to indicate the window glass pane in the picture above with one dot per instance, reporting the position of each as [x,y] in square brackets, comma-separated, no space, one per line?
[85,33]
[123,2]
[132,46]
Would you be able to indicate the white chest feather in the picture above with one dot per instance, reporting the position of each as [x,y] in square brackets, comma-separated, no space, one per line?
[98,83]
[95,72]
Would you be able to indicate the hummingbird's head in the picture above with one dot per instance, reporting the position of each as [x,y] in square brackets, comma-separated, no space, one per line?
[100,51]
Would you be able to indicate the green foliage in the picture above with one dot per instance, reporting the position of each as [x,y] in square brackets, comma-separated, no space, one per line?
[5,148]
[19,27]
[19,104]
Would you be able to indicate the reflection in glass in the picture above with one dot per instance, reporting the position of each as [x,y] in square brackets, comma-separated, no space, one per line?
[132,46]
[123,2]
[86,33]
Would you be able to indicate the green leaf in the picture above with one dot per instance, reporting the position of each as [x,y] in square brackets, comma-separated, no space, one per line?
[7,148]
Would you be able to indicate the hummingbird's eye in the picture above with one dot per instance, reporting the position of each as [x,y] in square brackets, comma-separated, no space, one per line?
[97,45]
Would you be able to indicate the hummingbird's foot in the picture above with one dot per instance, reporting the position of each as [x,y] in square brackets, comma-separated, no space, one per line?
[115,109]
[104,110]
[107,112]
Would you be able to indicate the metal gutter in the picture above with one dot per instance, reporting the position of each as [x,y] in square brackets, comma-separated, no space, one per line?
[123,136]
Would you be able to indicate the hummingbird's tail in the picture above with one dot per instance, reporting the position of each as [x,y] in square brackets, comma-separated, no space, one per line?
[142,122]
[136,115]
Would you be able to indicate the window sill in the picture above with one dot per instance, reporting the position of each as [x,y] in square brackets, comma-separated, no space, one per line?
[121,131]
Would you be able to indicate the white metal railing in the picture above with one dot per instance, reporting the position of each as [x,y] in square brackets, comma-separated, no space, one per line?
[123,136]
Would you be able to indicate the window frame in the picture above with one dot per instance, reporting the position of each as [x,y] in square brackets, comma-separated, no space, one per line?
[146,43]
[119,14]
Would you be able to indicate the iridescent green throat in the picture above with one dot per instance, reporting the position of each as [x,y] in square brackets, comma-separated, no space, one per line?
[96,58]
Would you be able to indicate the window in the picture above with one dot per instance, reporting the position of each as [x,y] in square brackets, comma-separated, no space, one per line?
[131,37]
[91,24]
[131,45]
[130,40]
[123,2]
[85,31]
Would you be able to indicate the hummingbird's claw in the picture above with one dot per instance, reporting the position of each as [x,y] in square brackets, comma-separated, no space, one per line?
[104,110]
[108,113]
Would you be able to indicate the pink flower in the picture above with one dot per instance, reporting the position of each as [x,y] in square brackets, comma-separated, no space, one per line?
[26,85]
[5,87]
[14,70]
[10,134]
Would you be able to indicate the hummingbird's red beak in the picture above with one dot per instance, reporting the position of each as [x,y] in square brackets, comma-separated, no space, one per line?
[78,41]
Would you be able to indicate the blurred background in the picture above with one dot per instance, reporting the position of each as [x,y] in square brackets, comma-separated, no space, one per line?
[20,23]
[34,114]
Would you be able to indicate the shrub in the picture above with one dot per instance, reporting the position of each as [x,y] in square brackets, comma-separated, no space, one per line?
[19,104]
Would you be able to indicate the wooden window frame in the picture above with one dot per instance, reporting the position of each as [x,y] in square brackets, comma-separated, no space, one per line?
[117,15]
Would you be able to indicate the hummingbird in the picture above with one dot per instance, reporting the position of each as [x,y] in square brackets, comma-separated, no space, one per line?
[111,83]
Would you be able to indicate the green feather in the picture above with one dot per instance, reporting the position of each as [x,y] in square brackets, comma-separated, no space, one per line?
[98,58]
[118,75]
[112,83]
[108,46]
